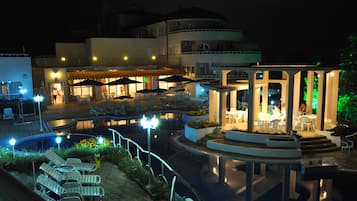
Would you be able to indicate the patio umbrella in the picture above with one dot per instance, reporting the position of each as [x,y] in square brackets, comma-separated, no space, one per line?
[159,90]
[88,83]
[125,81]
[123,97]
[144,91]
[176,78]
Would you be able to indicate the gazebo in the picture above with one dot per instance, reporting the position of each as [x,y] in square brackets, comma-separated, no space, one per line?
[257,114]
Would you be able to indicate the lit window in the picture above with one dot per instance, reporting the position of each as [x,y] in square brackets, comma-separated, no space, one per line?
[94,58]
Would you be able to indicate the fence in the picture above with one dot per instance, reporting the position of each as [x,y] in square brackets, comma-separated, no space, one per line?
[165,170]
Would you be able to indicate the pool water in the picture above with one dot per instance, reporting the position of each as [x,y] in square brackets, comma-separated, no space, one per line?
[43,142]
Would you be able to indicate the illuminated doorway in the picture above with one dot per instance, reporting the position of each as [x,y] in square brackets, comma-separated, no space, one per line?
[57,93]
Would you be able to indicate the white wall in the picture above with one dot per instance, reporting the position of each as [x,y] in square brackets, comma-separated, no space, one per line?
[110,51]
[17,69]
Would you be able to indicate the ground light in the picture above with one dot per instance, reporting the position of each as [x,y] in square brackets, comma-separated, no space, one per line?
[58,141]
[12,142]
[149,124]
[100,140]
[39,99]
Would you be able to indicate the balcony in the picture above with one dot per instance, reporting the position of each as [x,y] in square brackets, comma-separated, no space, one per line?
[221,57]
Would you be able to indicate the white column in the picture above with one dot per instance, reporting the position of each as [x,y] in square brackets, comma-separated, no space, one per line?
[234,99]
[310,86]
[296,95]
[212,106]
[334,96]
[222,108]
[265,98]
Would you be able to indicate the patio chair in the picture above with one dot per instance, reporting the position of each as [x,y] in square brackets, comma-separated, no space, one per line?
[7,113]
[76,163]
[70,176]
[47,197]
[347,145]
[69,188]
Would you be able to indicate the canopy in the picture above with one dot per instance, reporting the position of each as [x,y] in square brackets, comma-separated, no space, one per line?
[123,80]
[88,83]
[176,78]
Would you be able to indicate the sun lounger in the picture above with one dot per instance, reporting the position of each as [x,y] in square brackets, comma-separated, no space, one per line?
[62,191]
[58,161]
[47,197]
[69,176]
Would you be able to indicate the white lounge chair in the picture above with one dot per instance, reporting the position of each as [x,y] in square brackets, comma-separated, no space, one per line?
[47,197]
[70,176]
[7,113]
[73,162]
[69,188]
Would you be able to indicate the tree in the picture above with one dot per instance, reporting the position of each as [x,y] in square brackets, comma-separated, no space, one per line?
[347,104]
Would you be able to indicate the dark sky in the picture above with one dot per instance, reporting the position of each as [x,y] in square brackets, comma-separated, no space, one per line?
[294,31]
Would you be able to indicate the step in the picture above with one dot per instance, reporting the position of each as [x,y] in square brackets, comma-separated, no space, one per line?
[313,138]
[321,150]
[315,141]
[317,146]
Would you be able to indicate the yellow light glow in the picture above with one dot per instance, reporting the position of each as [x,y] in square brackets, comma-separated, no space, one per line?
[63,59]
[214,170]
[153,57]
[56,75]
[125,58]
[94,58]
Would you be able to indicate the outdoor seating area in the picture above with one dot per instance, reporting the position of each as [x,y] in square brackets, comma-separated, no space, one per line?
[67,179]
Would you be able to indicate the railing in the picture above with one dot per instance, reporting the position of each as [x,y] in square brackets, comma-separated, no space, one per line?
[201,30]
[14,55]
[224,52]
[138,149]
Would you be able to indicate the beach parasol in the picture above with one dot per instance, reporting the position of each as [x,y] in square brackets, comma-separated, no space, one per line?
[88,83]
[176,78]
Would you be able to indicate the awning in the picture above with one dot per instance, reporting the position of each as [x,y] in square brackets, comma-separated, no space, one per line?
[122,73]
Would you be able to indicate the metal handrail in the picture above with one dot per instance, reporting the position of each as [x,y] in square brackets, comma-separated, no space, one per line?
[164,164]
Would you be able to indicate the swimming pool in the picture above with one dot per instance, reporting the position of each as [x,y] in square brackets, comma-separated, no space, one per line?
[45,141]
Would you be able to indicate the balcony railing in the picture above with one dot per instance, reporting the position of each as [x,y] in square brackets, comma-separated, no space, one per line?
[14,55]
[202,30]
[224,52]
[134,150]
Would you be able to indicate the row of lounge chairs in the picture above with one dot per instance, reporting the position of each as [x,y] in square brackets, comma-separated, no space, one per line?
[66,180]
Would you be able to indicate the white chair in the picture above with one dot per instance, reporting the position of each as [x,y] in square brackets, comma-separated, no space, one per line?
[8,114]
[69,188]
[347,145]
[70,176]
[306,123]
[73,162]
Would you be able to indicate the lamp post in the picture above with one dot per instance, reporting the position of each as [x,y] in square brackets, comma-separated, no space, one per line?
[58,141]
[39,99]
[12,142]
[149,124]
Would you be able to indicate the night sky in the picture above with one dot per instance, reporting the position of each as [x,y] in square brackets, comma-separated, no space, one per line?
[286,31]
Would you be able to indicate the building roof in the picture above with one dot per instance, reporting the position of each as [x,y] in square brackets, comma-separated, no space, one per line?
[122,73]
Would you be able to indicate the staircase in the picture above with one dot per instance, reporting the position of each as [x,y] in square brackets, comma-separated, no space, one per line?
[317,144]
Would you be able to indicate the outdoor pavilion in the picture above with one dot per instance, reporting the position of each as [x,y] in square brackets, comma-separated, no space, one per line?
[328,81]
